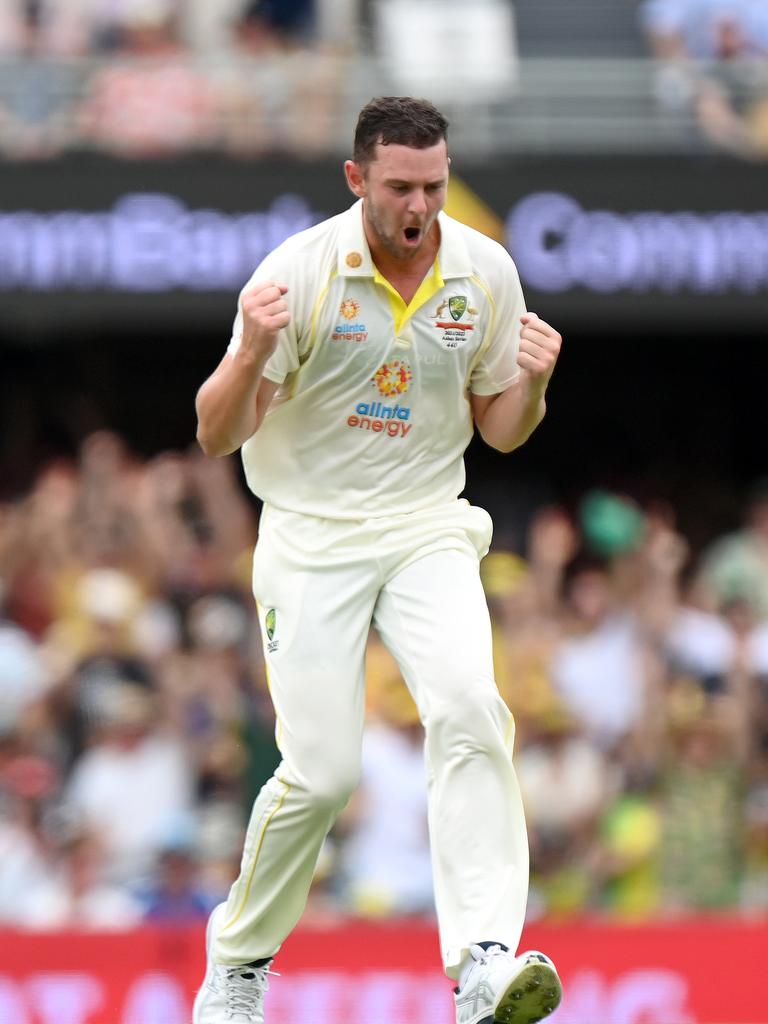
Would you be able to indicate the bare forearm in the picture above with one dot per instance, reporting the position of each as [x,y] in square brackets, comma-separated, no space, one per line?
[513,415]
[226,404]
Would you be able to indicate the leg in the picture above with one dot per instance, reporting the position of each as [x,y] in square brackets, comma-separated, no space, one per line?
[315,626]
[433,617]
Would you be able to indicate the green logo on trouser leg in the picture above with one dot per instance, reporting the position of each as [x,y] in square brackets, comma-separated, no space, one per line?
[270,622]
[270,627]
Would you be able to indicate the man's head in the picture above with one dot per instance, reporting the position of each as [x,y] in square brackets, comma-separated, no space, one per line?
[397,120]
[400,170]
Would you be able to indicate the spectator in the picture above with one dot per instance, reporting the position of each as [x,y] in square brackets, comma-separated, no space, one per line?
[23,675]
[702,787]
[566,782]
[175,896]
[59,28]
[77,894]
[37,90]
[208,28]
[118,572]
[599,667]
[692,29]
[736,566]
[276,93]
[712,58]
[524,598]
[152,99]
[110,23]
[27,850]
[132,783]
[626,857]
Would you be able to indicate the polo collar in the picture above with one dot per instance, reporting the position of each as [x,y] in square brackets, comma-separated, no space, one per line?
[453,255]
[354,256]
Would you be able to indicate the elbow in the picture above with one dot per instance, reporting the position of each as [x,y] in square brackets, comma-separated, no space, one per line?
[203,437]
[501,443]
[211,446]
[509,446]
[205,442]
[508,442]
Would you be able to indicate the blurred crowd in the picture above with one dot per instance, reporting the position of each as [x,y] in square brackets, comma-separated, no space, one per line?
[136,726]
[246,77]
[713,60]
[154,77]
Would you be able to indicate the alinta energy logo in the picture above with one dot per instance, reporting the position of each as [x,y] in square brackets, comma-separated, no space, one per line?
[391,380]
[358,332]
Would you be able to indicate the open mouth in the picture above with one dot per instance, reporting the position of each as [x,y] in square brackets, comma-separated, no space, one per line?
[412,234]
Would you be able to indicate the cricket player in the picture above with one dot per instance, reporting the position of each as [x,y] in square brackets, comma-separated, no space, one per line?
[364,352]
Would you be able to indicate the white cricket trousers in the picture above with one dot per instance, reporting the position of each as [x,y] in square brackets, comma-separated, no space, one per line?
[319,584]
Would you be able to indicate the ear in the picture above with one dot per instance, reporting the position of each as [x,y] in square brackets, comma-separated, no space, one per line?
[355,178]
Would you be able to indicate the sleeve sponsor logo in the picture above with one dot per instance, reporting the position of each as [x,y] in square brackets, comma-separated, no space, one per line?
[357,332]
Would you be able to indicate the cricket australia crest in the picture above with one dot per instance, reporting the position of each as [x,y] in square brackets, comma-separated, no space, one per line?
[455,331]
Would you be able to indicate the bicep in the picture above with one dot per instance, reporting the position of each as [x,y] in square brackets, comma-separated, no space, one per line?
[264,394]
[480,405]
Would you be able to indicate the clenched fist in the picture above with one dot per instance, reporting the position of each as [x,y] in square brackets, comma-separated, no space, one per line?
[539,349]
[265,313]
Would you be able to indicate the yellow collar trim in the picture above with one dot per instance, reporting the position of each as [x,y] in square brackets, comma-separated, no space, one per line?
[430,286]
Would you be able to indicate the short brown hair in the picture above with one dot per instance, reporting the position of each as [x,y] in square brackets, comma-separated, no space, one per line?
[398,120]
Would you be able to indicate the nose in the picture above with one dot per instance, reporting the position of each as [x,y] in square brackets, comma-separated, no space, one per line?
[418,201]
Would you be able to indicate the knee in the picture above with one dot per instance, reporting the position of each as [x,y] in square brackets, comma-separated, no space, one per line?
[474,717]
[330,786]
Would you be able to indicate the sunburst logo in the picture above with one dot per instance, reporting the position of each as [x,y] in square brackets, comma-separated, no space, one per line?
[392,379]
[349,308]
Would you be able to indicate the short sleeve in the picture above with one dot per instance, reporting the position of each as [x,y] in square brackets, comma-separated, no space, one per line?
[285,359]
[497,366]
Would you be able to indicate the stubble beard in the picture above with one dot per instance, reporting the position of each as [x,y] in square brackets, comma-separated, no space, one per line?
[391,246]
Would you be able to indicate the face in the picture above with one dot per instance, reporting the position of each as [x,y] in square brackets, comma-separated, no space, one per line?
[403,190]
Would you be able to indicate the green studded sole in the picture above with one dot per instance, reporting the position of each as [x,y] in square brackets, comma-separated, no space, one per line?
[532,996]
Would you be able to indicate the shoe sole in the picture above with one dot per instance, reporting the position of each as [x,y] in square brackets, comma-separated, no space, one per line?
[533,994]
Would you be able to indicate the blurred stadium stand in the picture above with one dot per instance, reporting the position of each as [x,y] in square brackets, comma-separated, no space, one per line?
[542,76]
[591,29]
[147,163]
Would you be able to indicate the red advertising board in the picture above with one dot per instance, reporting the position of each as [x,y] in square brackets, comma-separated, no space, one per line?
[687,972]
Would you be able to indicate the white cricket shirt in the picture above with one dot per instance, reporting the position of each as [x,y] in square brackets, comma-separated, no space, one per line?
[372,415]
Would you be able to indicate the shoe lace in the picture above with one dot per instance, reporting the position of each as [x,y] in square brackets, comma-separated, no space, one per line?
[244,988]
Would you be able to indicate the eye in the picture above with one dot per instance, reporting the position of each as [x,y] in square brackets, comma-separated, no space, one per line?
[400,189]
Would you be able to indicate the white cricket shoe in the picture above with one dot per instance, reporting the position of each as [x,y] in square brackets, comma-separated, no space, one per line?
[230,995]
[506,989]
